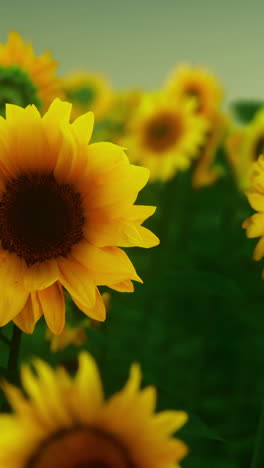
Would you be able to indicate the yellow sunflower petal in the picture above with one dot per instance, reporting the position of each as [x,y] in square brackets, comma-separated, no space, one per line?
[83,127]
[59,111]
[13,295]
[139,213]
[91,396]
[148,238]
[259,250]
[53,390]
[32,386]
[27,318]
[53,306]
[170,421]
[256,200]
[122,286]
[110,260]
[41,275]
[97,312]
[255,225]
[66,156]
[78,281]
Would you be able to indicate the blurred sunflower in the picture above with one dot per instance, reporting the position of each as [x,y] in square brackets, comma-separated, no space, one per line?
[205,173]
[197,84]
[70,335]
[88,92]
[24,78]
[244,146]
[255,224]
[64,207]
[164,136]
[67,423]
[114,125]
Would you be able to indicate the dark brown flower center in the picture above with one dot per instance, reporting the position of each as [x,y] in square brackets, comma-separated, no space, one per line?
[81,447]
[40,219]
[258,147]
[163,131]
[193,92]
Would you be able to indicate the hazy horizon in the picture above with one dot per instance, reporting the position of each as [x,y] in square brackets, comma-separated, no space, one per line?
[136,45]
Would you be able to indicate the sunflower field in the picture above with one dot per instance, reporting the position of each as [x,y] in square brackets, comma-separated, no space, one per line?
[131,270]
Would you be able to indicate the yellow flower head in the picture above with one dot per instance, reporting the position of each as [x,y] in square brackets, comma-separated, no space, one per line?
[67,423]
[64,207]
[255,224]
[164,136]
[70,335]
[198,84]
[124,105]
[24,78]
[88,92]
[204,171]
[244,146]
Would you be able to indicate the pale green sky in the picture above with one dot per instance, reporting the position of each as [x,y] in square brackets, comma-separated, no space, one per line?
[136,43]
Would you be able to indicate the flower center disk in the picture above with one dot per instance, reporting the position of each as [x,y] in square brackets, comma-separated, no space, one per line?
[193,92]
[83,96]
[80,447]
[259,147]
[39,218]
[17,88]
[162,132]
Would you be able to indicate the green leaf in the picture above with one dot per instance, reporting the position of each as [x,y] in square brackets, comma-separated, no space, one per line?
[195,427]
[245,110]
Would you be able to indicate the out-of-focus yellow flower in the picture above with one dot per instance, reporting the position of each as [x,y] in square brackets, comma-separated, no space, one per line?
[198,84]
[65,206]
[70,335]
[67,423]
[244,146]
[25,78]
[233,145]
[164,135]
[124,105]
[205,173]
[88,92]
[114,125]
[255,224]
[75,335]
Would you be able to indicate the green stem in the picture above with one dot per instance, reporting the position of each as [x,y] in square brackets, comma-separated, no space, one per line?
[258,455]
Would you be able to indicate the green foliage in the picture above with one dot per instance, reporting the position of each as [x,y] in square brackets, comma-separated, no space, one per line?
[245,110]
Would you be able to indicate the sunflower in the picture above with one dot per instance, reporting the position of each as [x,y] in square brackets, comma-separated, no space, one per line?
[88,92]
[196,83]
[164,136]
[205,173]
[64,207]
[116,121]
[244,146]
[67,422]
[255,224]
[70,335]
[24,78]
